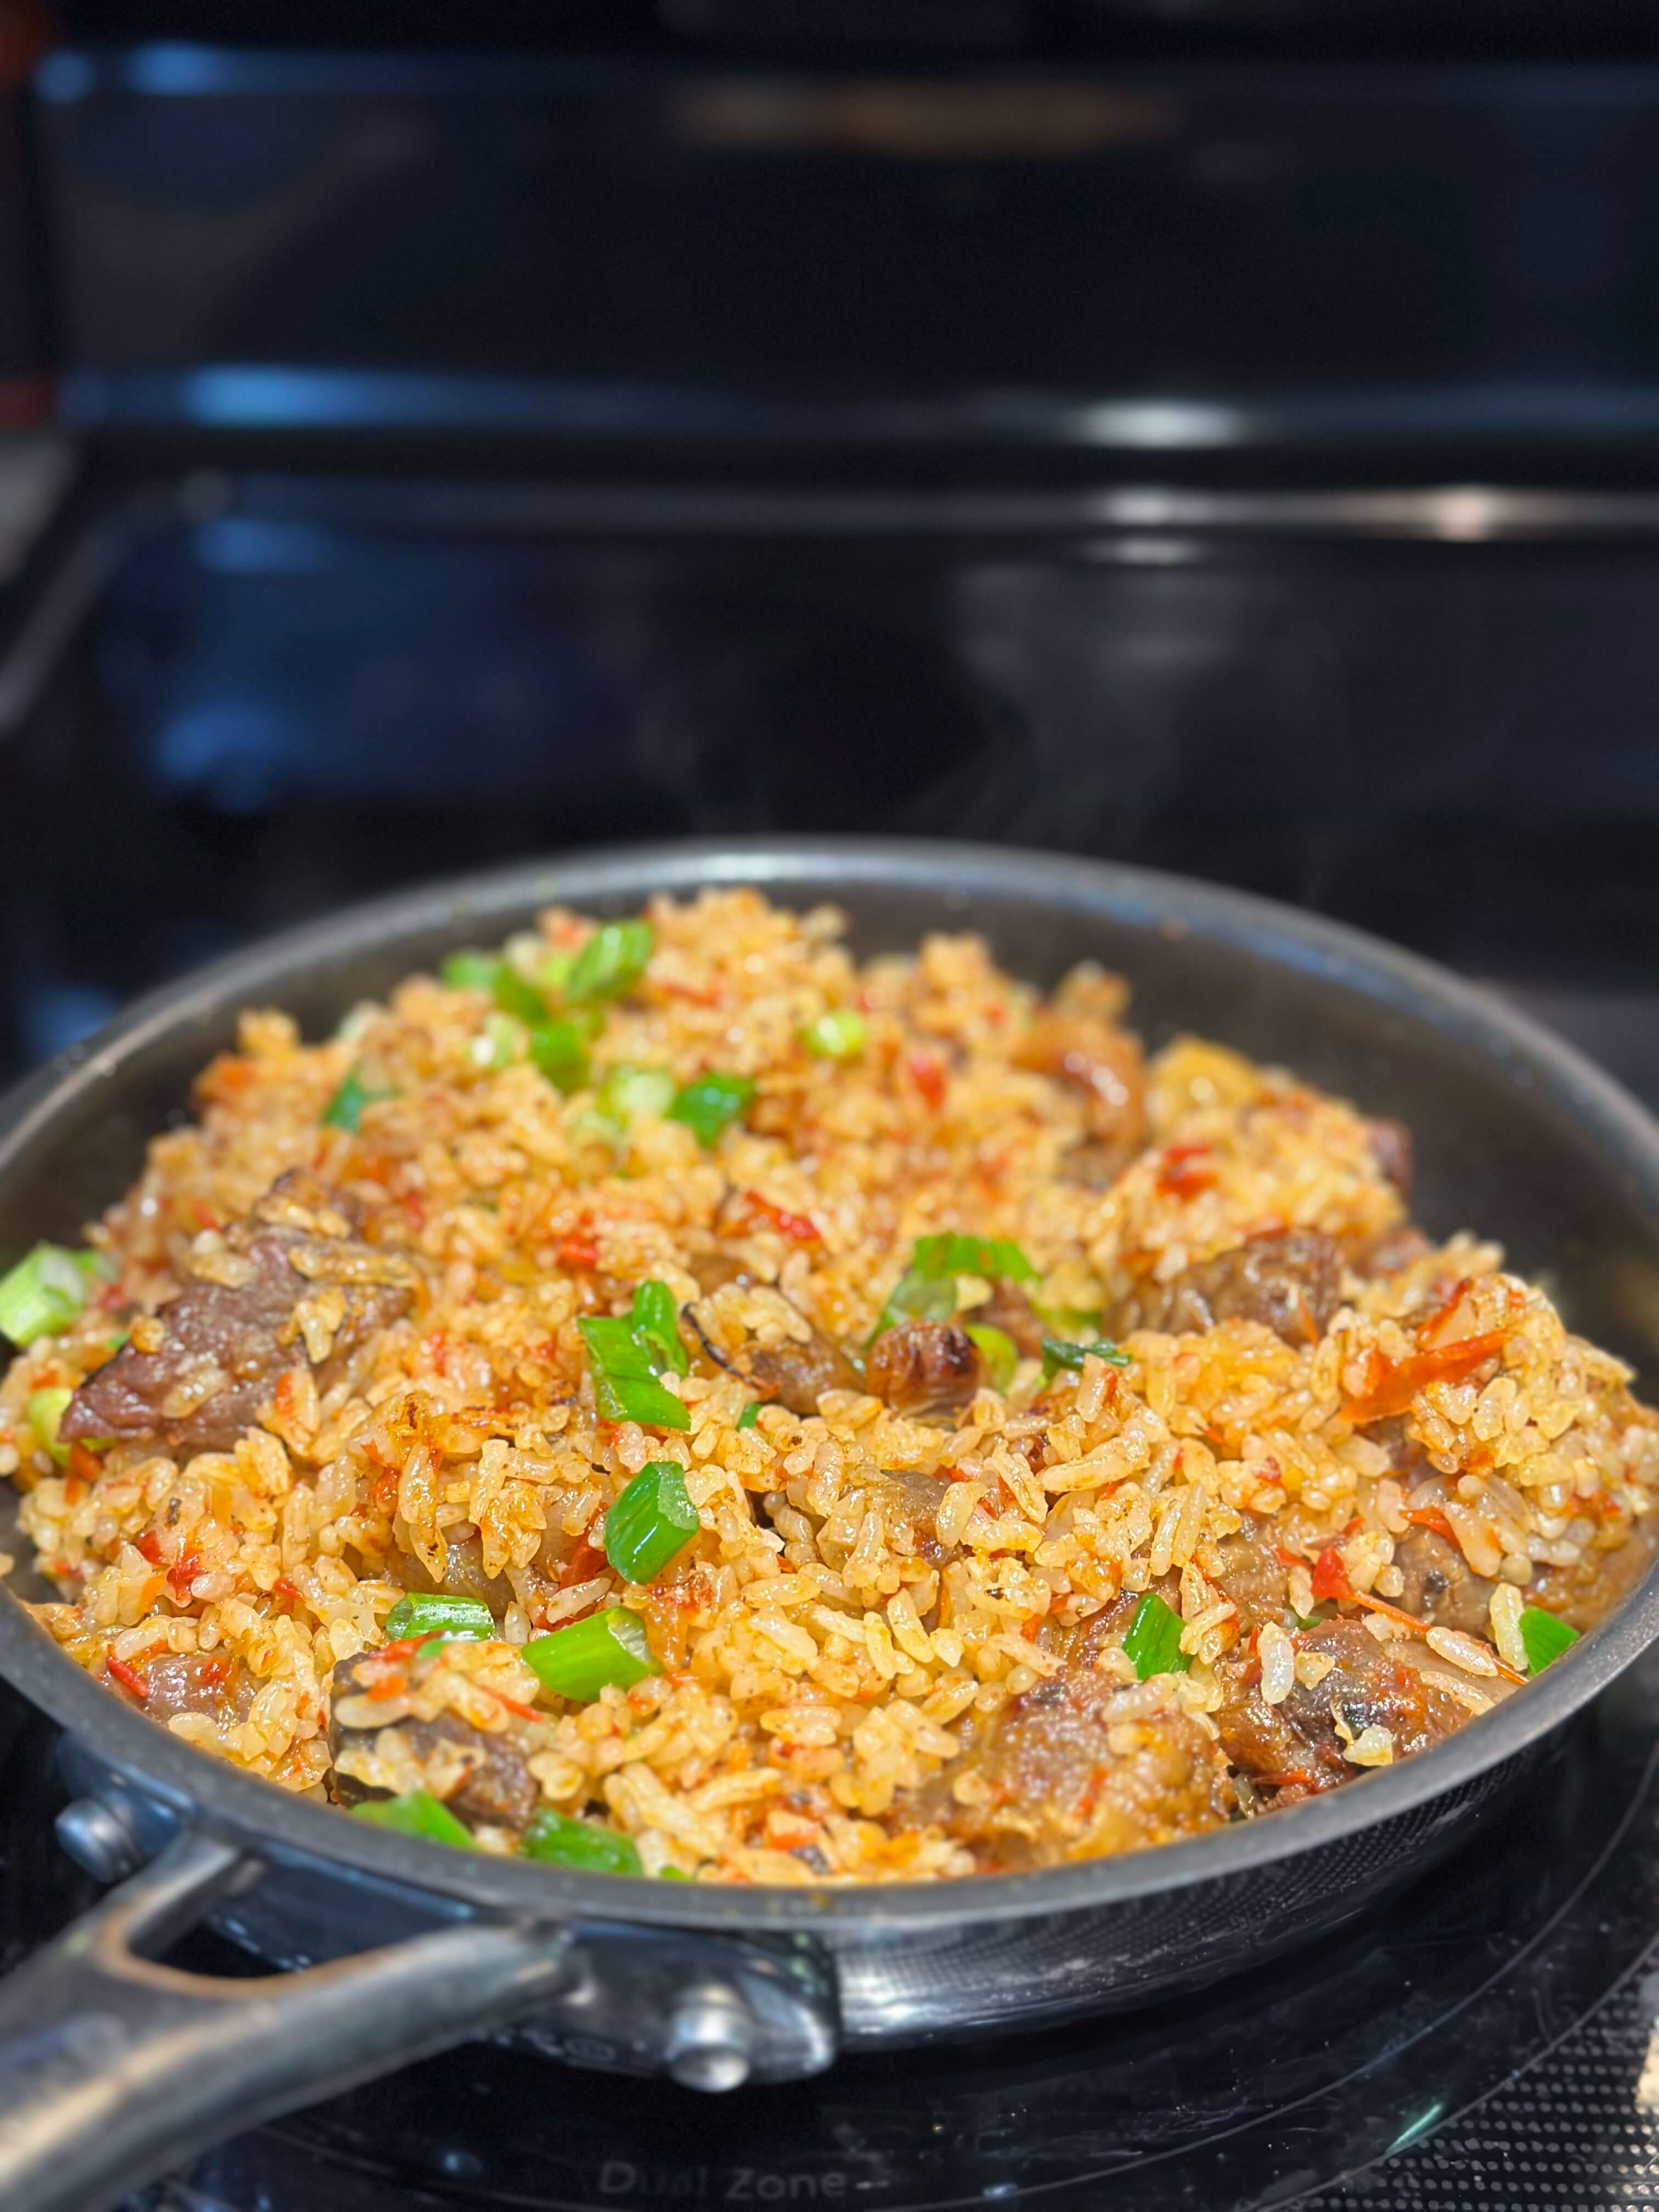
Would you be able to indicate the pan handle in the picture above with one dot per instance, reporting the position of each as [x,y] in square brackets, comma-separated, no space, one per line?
[112,2067]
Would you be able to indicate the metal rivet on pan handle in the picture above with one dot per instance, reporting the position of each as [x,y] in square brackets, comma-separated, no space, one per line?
[710,2040]
[99,1835]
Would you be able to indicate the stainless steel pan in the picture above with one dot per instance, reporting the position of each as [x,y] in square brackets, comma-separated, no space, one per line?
[111,2067]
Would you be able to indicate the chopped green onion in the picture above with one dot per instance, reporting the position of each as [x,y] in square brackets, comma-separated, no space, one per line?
[657,1319]
[1307,1619]
[999,1352]
[471,971]
[579,1662]
[950,1253]
[1153,1642]
[711,1105]
[1546,1637]
[614,957]
[44,1292]
[559,1050]
[651,1523]
[839,1035]
[749,1415]
[672,1874]
[1057,1355]
[628,1093]
[439,1614]
[514,996]
[918,1297]
[45,1410]
[626,1362]
[556,1840]
[553,973]
[344,1110]
[628,1398]
[418,1813]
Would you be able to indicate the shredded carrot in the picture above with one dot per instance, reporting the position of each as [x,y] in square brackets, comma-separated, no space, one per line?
[129,1678]
[1393,1388]
[928,1076]
[578,1251]
[796,1227]
[1186,1169]
[1430,1517]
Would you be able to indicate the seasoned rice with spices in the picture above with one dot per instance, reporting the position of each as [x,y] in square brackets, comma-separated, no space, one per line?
[1080,1453]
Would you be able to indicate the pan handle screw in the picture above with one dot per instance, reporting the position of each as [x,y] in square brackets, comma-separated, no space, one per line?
[99,1836]
[710,2040]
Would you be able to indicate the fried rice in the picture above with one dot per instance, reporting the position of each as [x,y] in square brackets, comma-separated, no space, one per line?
[1080,1452]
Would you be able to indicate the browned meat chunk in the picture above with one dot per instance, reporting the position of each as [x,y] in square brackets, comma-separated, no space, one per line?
[795,1373]
[464,1574]
[1293,1283]
[480,1777]
[1390,1250]
[1296,1746]
[924,1367]
[208,1682]
[226,1341]
[1103,1061]
[1439,1586]
[1252,1575]
[1392,1150]
[1074,1769]
[1009,1310]
[1096,1165]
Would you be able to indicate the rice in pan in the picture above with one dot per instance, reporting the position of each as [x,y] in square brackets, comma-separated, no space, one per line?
[666,1398]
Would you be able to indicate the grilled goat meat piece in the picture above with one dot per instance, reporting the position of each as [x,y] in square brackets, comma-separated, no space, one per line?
[795,1372]
[924,1367]
[1296,1747]
[1075,1768]
[1438,1585]
[208,1682]
[1097,1058]
[1009,1310]
[480,1777]
[227,1340]
[1393,1151]
[1290,1282]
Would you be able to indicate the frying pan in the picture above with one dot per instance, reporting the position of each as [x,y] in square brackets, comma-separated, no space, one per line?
[112,2066]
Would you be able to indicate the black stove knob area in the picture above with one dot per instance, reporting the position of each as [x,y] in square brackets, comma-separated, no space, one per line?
[1490,2041]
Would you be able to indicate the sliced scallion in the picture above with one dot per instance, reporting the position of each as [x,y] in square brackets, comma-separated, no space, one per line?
[503,1039]
[516,996]
[709,1106]
[557,1840]
[625,1385]
[998,1351]
[559,1049]
[656,1320]
[1546,1637]
[437,1613]
[839,1035]
[344,1110]
[953,1254]
[43,1293]
[614,957]
[45,1410]
[627,1093]
[1153,1643]
[471,971]
[651,1523]
[749,1415]
[579,1662]
[1057,1355]
[417,1813]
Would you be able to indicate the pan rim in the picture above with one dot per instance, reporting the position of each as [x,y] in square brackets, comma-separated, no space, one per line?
[288,1829]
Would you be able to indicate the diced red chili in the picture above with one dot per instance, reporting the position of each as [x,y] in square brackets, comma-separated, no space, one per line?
[578,1251]
[1185,1170]
[928,1076]
[1330,1576]
[796,1227]
[1430,1517]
